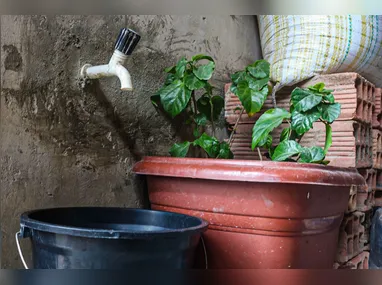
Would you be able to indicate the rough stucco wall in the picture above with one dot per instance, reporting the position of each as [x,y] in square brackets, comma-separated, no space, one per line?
[62,145]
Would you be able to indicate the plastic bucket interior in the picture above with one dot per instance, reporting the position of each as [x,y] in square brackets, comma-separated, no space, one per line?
[111,238]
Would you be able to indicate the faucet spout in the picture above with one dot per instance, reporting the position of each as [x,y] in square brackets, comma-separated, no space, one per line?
[113,68]
[124,77]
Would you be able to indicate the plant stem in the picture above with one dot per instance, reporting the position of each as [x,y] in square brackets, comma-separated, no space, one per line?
[274,90]
[212,118]
[234,128]
[259,152]
[195,108]
[194,101]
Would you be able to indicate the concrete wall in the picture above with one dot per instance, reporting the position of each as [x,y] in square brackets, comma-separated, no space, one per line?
[62,145]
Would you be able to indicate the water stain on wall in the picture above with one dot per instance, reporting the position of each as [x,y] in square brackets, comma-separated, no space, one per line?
[13,60]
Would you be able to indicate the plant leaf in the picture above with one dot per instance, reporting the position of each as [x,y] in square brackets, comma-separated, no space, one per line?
[208,87]
[181,67]
[257,84]
[329,98]
[210,144]
[237,109]
[266,123]
[204,72]
[304,100]
[175,97]
[200,119]
[218,105]
[266,142]
[329,112]
[170,79]
[196,133]
[303,122]
[202,56]
[238,76]
[204,106]
[171,69]
[271,150]
[233,88]
[155,100]
[328,140]
[260,69]
[225,151]
[312,154]
[180,149]
[293,135]
[203,101]
[326,91]
[285,134]
[318,87]
[285,150]
[192,82]
[251,99]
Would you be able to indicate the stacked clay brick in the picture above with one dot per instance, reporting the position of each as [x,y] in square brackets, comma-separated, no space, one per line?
[353,242]
[377,148]
[357,143]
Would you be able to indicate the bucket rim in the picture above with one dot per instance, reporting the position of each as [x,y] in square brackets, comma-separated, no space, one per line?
[28,224]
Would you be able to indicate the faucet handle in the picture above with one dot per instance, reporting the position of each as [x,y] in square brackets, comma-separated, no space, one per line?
[127,41]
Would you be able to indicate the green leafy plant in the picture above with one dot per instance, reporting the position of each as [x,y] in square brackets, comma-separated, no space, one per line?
[307,106]
[179,95]
[251,86]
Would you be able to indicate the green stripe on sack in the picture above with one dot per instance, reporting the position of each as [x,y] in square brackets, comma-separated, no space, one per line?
[349,39]
[372,40]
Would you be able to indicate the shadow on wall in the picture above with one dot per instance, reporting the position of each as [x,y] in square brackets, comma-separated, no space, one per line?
[112,116]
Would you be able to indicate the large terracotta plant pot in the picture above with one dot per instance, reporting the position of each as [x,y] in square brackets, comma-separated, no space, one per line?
[261,214]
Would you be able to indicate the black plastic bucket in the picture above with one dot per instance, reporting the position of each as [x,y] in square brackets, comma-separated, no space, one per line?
[111,238]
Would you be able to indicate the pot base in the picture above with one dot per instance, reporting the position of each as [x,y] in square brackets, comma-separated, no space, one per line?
[230,249]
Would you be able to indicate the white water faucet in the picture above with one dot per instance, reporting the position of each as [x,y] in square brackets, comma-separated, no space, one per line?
[126,43]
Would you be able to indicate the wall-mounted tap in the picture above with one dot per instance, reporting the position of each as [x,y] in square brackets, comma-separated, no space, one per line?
[124,46]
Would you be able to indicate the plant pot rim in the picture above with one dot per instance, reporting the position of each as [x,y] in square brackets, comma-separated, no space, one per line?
[249,171]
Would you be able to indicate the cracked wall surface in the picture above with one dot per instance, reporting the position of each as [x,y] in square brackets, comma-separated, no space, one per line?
[64,145]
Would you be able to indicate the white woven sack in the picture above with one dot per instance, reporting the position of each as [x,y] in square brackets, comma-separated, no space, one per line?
[299,47]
